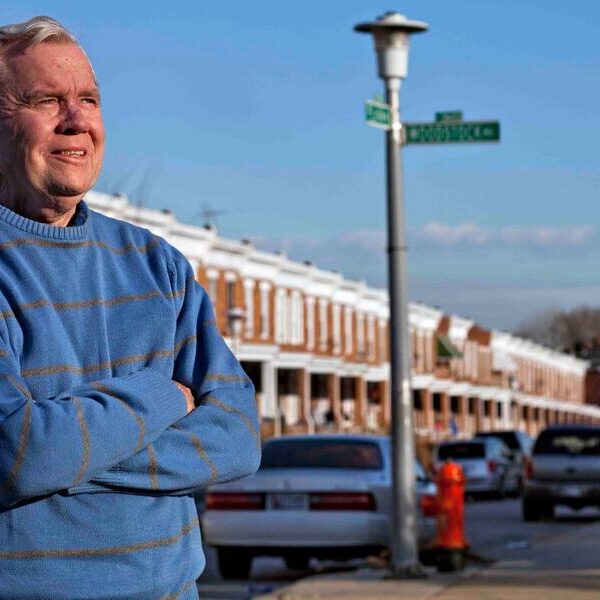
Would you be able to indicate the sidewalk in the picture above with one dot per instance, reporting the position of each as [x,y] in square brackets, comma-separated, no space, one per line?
[566,567]
[365,584]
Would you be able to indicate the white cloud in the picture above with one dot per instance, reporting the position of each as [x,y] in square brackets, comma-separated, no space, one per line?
[371,239]
[502,299]
[440,233]
[472,234]
[433,234]
[540,235]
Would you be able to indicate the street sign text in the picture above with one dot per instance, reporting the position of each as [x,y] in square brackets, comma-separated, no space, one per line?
[377,114]
[452,133]
[449,115]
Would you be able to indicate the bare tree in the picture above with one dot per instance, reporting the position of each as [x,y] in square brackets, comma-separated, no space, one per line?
[570,331]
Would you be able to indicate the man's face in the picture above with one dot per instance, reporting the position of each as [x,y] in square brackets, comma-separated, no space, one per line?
[51,131]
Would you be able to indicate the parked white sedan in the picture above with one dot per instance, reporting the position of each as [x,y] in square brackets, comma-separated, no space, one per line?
[318,496]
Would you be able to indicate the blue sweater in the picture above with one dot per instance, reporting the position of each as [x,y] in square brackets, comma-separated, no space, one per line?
[97,456]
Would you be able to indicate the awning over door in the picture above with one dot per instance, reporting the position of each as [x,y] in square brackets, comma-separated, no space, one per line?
[446,350]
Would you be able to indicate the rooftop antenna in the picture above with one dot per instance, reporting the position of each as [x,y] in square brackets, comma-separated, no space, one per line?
[209,215]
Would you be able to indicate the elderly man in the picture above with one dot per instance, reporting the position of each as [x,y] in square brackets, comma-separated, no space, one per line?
[118,397]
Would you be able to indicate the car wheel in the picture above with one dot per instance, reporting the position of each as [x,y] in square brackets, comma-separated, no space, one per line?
[518,491]
[547,511]
[297,563]
[500,493]
[531,510]
[234,563]
[451,560]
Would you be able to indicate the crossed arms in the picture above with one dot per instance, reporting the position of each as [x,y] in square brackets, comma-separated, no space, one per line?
[136,433]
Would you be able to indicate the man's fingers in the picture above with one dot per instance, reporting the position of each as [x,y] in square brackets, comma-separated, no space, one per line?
[189,397]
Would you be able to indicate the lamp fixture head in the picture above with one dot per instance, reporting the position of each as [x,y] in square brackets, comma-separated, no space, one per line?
[391,34]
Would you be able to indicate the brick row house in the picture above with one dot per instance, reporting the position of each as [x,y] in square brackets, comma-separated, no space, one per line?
[316,346]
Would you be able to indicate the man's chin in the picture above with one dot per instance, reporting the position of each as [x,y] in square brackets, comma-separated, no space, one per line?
[67,191]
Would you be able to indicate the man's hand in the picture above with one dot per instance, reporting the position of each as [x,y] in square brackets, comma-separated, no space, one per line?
[189,397]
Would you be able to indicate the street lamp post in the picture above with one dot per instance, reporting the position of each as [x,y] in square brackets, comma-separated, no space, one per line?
[391,34]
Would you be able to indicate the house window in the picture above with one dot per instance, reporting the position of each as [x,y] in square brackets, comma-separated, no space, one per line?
[229,301]
[295,319]
[360,334]
[212,286]
[288,334]
[371,336]
[230,294]
[382,340]
[249,303]
[298,318]
[337,329]
[280,316]
[310,323]
[323,324]
[348,329]
[264,309]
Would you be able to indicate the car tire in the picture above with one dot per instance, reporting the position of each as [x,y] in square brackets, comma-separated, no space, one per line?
[531,510]
[449,561]
[500,493]
[548,511]
[518,489]
[234,563]
[297,563]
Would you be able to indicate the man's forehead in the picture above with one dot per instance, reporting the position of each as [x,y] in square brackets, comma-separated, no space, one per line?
[50,63]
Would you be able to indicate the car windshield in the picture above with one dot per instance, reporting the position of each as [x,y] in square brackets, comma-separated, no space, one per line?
[568,442]
[508,437]
[461,450]
[321,454]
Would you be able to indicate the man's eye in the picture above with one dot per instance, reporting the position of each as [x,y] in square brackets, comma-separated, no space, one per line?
[90,101]
[47,101]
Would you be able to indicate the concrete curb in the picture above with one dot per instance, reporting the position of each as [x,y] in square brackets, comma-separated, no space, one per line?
[369,584]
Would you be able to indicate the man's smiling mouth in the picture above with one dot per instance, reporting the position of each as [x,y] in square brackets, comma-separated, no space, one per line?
[74,153]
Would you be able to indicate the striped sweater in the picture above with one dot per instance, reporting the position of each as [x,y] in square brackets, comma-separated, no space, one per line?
[97,456]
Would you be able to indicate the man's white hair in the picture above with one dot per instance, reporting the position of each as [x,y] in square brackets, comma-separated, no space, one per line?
[35,31]
[30,33]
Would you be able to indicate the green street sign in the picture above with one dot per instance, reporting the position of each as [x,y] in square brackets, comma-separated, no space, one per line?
[448,116]
[377,114]
[452,133]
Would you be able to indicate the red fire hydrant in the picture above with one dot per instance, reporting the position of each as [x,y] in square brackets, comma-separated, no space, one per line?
[450,544]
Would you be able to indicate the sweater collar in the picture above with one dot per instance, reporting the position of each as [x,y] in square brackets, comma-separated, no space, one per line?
[77,231]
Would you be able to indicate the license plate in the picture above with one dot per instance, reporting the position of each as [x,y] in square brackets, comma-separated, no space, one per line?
[572,491]
[288,501]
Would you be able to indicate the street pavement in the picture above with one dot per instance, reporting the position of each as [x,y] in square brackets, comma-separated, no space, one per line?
[558,559]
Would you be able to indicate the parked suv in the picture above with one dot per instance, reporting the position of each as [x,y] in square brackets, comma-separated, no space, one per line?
[485,462]
[519,444]
[564,468]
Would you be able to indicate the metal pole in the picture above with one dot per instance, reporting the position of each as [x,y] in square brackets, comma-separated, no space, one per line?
[404,559]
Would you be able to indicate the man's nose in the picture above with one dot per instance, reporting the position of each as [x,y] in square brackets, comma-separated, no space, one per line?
[73,121]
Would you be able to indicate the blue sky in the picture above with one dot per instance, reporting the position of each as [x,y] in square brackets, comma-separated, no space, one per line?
[255,108]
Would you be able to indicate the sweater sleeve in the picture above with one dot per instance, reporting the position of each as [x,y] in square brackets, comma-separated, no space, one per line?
[219,440]
[50,444]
